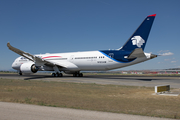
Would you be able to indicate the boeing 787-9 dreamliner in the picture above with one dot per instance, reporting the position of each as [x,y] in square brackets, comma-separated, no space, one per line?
[132,52]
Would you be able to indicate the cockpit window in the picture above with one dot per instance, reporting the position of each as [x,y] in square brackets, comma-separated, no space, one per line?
[23,58]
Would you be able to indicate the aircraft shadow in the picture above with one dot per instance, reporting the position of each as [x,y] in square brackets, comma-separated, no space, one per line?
[114,77]
[38,77]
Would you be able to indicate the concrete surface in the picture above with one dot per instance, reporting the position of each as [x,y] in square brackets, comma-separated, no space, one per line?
[15,111]
[148,81]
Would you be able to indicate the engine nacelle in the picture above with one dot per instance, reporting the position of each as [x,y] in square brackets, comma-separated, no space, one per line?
[28,68]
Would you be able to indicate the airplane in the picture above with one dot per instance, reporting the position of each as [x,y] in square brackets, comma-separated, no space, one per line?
[132,52]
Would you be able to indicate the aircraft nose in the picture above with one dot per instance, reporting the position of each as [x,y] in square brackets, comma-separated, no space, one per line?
[15,66]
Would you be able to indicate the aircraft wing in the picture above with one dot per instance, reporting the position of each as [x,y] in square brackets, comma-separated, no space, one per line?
[38,60]
[22,53]
[138,52]
[62,64]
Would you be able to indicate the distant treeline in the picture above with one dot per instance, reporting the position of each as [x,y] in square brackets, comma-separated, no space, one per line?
[2,71]
[173,69]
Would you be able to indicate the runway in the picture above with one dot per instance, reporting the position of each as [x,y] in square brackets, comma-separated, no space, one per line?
[16,111]
[148,81]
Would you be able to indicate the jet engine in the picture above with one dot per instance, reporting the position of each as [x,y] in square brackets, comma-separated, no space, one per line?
[28,68]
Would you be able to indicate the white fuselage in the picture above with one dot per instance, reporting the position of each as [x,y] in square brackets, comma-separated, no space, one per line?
[80,61]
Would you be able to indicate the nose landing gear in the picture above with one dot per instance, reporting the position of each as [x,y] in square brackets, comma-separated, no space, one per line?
[20,73]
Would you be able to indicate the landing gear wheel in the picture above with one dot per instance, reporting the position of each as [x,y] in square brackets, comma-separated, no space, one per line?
[78,75]
[59,74]
[53,74]
[74,75]
[20,73]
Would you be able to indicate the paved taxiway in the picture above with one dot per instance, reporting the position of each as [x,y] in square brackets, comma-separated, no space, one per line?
[148,81]
[15,111]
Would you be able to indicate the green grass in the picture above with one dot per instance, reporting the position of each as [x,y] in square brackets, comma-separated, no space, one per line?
[108,98]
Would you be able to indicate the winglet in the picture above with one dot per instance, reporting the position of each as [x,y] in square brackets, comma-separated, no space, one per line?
[8,44]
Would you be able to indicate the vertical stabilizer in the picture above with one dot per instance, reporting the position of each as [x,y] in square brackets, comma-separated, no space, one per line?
[140,36]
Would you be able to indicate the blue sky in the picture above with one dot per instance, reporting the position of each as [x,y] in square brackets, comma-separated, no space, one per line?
[54,26]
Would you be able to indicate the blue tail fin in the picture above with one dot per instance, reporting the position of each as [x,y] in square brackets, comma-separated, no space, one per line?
[140,36]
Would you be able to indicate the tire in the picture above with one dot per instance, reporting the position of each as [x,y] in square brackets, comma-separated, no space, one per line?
[53,74]
[80,75]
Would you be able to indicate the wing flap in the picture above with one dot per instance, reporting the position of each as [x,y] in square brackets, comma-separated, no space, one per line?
[63,64]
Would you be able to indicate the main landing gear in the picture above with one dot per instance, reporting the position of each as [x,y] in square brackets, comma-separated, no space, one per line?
[57,74]
[78,75]
[61,75]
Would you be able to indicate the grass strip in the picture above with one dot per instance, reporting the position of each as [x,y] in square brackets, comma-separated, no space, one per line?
[107,98]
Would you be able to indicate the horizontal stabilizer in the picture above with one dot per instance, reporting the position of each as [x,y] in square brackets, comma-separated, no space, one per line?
[138,52]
